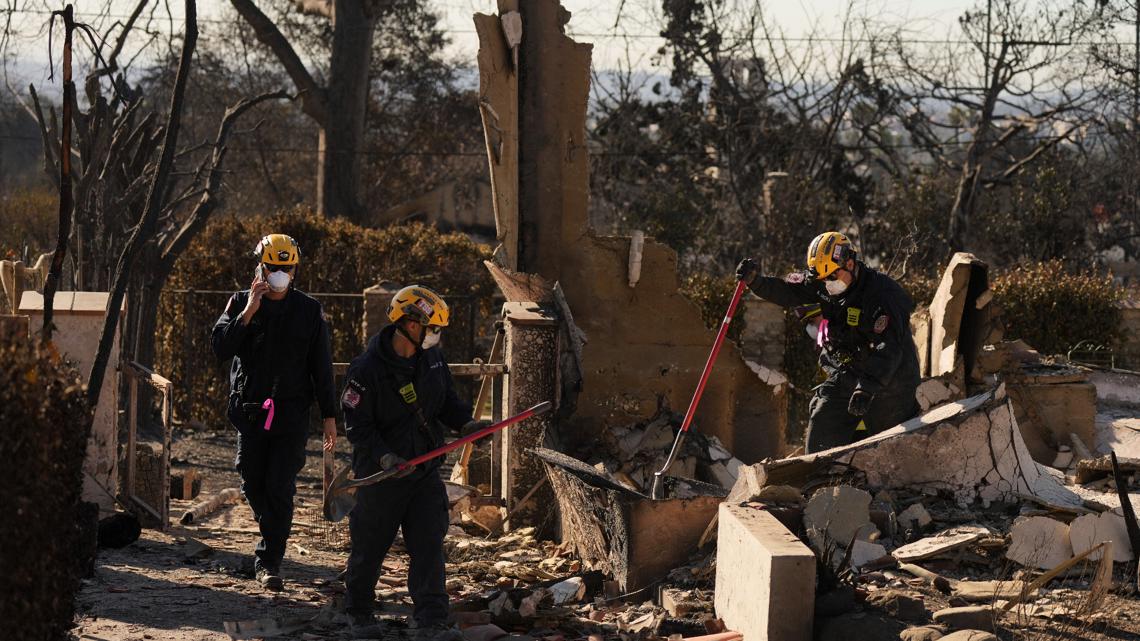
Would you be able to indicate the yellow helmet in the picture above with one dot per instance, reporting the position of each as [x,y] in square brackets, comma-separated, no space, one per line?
[421,304]
[278,249]
[827,253]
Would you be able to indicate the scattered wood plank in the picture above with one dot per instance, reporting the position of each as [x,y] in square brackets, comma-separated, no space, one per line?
[204,508]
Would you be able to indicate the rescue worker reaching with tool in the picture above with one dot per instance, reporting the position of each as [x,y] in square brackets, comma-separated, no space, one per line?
[860,319]
[279,342]
[397,395]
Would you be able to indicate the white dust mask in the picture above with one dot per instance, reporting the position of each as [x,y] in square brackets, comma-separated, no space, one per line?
[431,339]
[835,287]
[278,281]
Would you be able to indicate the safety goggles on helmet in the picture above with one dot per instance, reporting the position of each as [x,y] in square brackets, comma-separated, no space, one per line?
[828,253]
[270,267]
[278,249]
[419,304]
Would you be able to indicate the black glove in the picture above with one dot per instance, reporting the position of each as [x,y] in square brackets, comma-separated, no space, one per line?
[859,403]
[389,461]
[472,426]
[747,270]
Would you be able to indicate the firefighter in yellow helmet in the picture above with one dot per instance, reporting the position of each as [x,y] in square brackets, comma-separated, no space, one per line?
[860,319]
[397,400]
[278,341]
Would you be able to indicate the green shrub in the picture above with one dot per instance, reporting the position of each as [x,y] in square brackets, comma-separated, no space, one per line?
[43,409]
[712,295]
[1053,309]
[337,257]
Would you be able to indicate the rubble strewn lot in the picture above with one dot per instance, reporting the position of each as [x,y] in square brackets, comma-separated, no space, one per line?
[1006,510]
[905,550]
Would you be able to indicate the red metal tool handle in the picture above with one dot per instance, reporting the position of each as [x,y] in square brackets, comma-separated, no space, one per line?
[740,286]
[541,408]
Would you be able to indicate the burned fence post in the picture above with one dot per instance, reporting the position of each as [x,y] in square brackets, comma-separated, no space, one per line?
[531,356]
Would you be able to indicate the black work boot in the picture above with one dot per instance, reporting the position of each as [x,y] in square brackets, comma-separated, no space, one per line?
[269,578]
[365,626]
[437,631]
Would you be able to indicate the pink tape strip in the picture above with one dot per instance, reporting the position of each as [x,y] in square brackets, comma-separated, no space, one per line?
[268,405]
[821,336]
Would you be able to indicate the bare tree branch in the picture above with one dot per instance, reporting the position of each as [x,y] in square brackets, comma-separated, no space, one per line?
[312,94]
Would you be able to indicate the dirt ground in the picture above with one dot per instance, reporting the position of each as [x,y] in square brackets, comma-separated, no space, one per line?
[166,586]
[183,585]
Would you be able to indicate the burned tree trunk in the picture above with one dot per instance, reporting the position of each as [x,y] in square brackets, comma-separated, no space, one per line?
[154,200]
[338,176]
[63,232]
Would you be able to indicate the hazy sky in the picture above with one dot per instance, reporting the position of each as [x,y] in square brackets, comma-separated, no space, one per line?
[593,21]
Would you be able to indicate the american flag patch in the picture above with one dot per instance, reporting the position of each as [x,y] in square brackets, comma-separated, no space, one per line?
[350,398]
[881,323]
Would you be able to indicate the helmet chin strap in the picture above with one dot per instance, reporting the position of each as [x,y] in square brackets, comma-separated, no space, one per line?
[403,332]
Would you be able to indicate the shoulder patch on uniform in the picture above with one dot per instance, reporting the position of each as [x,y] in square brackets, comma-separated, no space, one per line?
[352,394]
[881,323]
[853,314]
[794,278]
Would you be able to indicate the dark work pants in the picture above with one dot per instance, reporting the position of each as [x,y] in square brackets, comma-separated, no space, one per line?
[831,425]
[418,504]
[269,463]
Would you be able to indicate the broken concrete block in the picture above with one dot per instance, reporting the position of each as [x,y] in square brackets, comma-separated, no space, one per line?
[936,391]
[733,465]
[970,635]
[972,617]
[1088,530]
[915,517]
[863,552]
[922,633]
[940,543]
[971,449]
[1039,542]
[954,313]
[569,591]
[835,515]
[988,591]
[765,579]
[779,494]
[1049,412]
[717,451]
[528,607]
[719,474]
[899,605]
[777,380]
[1117,433]
[679,603]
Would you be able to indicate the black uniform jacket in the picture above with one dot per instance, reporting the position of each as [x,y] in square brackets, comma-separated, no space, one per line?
[868,326]
[380,397]
[283,353]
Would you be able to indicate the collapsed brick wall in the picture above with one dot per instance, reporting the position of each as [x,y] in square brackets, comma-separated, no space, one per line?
[647,344]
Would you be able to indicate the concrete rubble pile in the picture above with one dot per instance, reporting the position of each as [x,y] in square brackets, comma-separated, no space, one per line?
[630,454]
[945,523]
[518,587]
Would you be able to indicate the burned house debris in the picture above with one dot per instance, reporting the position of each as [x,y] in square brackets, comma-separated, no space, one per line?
[1005,508]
